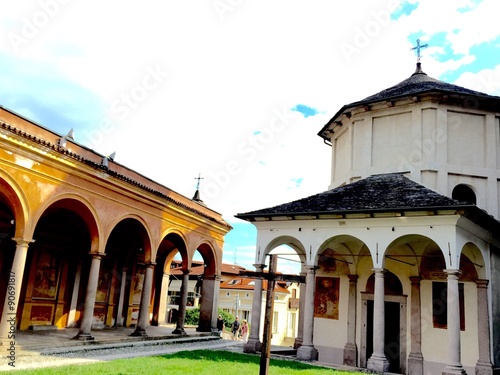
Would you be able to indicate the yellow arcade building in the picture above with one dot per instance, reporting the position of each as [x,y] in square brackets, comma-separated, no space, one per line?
[86,242]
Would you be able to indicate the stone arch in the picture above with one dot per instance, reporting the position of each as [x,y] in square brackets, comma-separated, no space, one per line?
[344,249]
[172,243]
[471,256]
[392,284]
[12,196]
[209,258]
[289,241]
[13,214]
[65,232]
[464,193]
[123,272]
[405,253]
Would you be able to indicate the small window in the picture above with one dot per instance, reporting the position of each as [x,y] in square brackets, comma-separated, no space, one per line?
[440,305]
[464,193]
[275,321]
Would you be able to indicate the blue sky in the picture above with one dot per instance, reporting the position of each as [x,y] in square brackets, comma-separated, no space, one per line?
[202,87]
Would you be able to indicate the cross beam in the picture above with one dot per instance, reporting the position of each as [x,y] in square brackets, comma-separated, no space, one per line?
[271,278]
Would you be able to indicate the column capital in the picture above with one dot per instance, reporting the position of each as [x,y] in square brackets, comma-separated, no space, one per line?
[259,267]
[482,283]
[97,255]
[353,278]
[150,264]
[22,241]
[415,280]
[311,268]
[378,271]
[452,273]
[186,272]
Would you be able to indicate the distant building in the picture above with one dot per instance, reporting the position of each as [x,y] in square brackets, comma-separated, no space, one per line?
[236,297]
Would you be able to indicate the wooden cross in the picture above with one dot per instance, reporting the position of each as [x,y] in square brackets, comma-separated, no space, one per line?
[198,183]
[271,278]
[418,48]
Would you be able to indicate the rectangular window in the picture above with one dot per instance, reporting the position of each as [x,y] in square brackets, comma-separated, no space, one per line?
[275,321]
[440,304]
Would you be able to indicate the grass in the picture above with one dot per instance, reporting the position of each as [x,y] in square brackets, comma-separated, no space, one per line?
[200,362]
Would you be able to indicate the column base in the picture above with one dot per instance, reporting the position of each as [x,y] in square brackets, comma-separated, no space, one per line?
[415,364]
[84,337]
[484,368]
[378,363]
[351,354]
[179,331]
[252,346]
[307,353]
[297,343]
[456,369]
[139,332]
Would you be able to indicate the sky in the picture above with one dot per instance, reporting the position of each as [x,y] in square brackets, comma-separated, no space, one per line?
[232,90]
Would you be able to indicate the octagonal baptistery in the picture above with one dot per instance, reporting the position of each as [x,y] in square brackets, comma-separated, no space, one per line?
[439,134]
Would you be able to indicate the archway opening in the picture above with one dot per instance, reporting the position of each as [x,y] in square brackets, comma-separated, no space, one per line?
[122,275]
[56,265]
[464,193]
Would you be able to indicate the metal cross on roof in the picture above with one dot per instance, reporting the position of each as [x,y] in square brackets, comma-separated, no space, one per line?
[418,48]
[198,183]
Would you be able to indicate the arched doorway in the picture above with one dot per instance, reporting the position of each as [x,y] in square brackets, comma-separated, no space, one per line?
[7,247]
[173,244]
[121,275]
[57,259]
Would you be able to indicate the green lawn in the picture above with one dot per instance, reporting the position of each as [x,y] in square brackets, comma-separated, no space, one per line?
[200,362]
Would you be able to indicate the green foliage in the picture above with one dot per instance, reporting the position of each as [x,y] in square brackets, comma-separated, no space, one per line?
[227,317]
[192,317]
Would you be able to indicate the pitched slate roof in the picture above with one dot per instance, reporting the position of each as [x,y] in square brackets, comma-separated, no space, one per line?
[420,83]
[378,193]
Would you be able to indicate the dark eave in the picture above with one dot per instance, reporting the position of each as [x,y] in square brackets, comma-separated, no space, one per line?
[381,195]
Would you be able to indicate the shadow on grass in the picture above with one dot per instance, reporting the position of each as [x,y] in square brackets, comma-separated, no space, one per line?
[225,356]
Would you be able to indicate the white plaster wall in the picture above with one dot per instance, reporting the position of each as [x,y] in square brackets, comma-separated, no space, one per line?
[466,140]
[330,332]
[435,339]
[392,142]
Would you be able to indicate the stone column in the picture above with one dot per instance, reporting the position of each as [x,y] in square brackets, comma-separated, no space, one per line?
[350,348]
[483,365]
[300,329]
[8,321]
[207,302]
[378,361]
[179,329]
[454,365]
[415,358]
[143,319]
[215,305]
[88,312]
[74,297]
[119,314]
[162,308]
[307,351]
[253,344]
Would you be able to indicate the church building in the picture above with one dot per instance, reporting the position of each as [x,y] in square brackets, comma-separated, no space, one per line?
[87,242]
[401,256]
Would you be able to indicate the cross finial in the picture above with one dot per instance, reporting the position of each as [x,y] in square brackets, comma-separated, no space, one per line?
[418,48]
[198,183]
